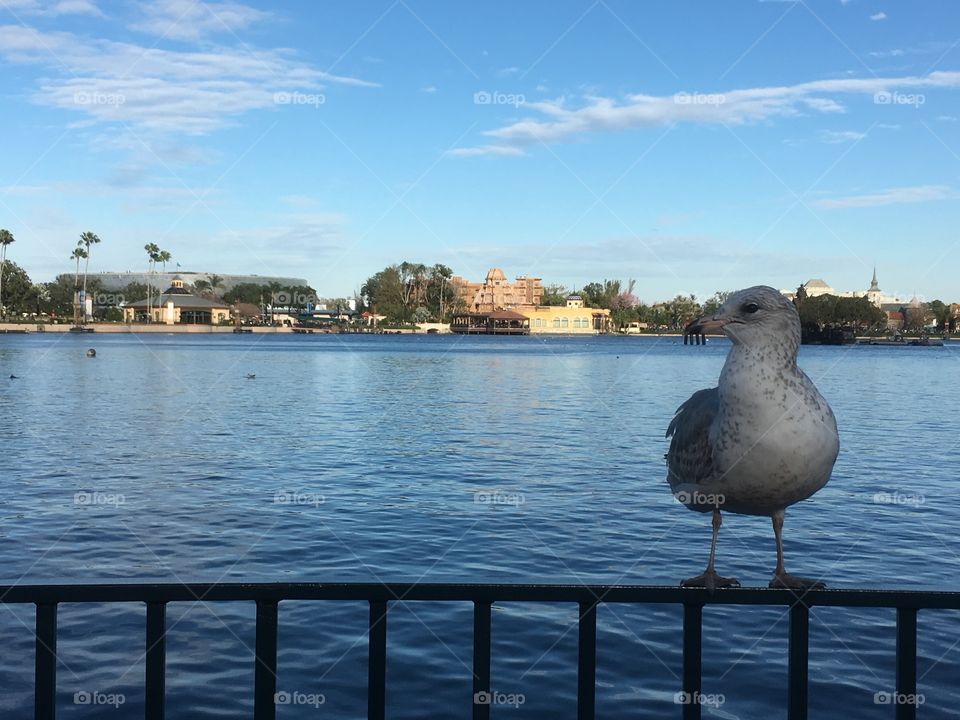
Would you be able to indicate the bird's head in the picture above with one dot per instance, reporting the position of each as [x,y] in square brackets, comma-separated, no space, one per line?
[759,315]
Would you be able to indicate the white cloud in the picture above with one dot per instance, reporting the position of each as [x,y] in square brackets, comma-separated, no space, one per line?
[835,137]
[896,52]
[505,150]
[52,8]
[559,122]
[893,196]
[191,20]
[429,89]
[185,92]
[879,16]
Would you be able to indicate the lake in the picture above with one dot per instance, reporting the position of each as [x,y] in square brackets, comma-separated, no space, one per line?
[370,458]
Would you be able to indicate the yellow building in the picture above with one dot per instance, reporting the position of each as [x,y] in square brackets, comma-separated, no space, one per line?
[571,319]
[177,306]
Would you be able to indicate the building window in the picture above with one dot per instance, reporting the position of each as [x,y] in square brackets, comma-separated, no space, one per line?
[556,322]
[565,322]
[576,322]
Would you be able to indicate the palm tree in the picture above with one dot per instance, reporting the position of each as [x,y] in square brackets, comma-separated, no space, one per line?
[87,240]
[215,282]
[201,287]
[6,238]
[164,257]
[78,254]
[152,252]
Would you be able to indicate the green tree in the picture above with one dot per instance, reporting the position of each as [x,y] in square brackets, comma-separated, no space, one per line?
[215,282]
[554,295]
[6,239]
[20,291]
[713,304]
[153,253]
[87,241]
[78,254]
[941,313]
[164,257]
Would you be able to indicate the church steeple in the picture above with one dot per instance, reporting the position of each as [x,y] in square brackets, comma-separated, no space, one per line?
[874,287]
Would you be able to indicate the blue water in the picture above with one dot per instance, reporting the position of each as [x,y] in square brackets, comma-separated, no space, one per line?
[386,441]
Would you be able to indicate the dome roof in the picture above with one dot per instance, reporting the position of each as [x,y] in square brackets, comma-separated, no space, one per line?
[496,274]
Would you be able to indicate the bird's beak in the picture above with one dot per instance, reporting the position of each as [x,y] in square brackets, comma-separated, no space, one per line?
[696,331]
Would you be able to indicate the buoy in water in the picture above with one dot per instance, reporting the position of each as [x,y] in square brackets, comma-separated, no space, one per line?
[91,353]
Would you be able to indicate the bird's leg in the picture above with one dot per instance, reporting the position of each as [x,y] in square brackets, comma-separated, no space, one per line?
[781,578]
[709,579]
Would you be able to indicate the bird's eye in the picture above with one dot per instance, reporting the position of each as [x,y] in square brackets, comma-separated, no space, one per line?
[751,308]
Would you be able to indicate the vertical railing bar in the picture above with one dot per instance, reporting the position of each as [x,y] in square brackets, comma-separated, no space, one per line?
[265,670]
[377,662]
[45,663]
[692,650]
[798,663]
[156,652]
[481,659]
[906,664]
[587,662]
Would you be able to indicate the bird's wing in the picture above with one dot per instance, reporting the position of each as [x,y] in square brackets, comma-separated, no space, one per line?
[690,457]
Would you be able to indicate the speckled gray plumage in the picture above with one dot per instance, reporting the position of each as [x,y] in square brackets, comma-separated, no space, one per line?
[764,438]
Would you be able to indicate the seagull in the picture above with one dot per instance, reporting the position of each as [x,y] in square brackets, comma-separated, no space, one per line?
[14,377]
[251,376]
[762,440]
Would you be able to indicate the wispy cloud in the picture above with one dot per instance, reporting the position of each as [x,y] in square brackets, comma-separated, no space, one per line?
[879,16]
[835,137]
[52,8]
[505,150]
[559,122]
[184,92]
[191,20]
[893,196]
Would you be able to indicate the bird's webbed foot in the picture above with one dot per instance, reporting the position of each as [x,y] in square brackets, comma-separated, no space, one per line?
[784,580]
[710,580]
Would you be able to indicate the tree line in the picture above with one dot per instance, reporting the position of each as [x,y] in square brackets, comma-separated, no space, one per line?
[411,293]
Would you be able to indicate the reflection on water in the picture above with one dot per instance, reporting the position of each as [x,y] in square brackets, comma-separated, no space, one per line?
[450,459]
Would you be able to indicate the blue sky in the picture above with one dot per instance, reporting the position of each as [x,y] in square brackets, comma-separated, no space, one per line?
[692,146]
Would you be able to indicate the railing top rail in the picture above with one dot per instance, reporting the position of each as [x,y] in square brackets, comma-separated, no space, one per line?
[473,592]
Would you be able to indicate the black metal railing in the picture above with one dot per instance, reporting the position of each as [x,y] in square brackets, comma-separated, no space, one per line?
[268,596]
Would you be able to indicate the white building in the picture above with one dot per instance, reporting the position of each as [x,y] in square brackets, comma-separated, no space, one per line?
[816,286]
